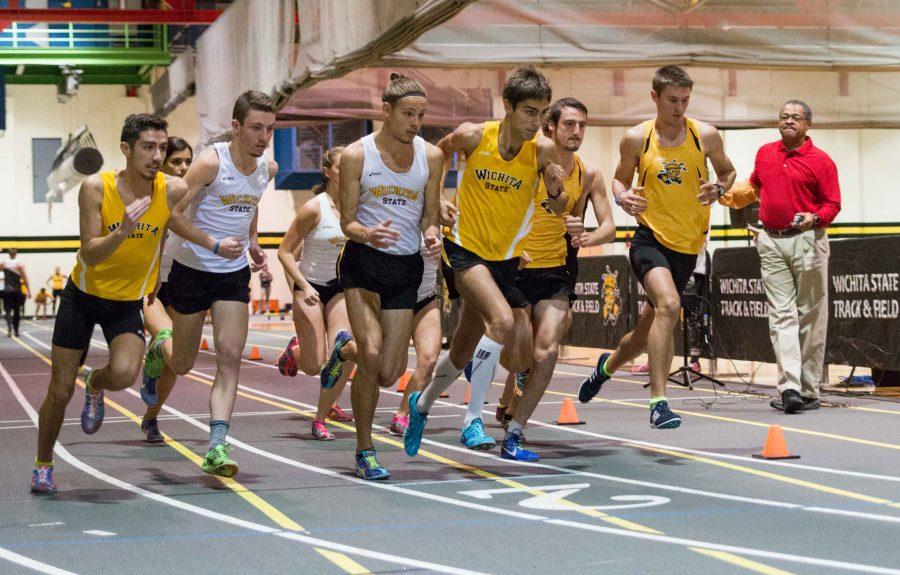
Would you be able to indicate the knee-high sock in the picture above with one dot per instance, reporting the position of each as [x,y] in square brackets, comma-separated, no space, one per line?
[445,373]
[484,364]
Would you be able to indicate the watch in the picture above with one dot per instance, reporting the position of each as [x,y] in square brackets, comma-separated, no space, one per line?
[720,189]
[815,220]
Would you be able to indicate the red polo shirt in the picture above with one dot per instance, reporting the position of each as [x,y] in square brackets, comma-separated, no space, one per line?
[789,182]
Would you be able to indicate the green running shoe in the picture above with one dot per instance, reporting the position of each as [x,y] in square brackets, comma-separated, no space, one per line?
[217,462]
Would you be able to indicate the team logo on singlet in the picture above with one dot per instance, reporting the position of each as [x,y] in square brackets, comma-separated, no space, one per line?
[494,181]
[244,203]
[671,172]
[612,297]
[138,232]
[401,195]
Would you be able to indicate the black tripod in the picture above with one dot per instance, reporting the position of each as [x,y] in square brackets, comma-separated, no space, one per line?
[686,375]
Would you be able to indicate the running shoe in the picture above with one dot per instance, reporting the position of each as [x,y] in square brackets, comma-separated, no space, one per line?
[368,468]
[591,386]
[151,428]
[695,365]
[412,437]
[661,417]
[642,369]
[521,378]
[320,432]
[512,449]
[331,369]
[398,425]
[92,414]
[287,365]
[154,362]
[473,436]
[217,462]
[338,414]
[42,479]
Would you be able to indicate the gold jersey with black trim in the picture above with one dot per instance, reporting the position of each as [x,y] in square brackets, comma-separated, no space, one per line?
[496,198]
[671,180]
[546,243]
[129,273]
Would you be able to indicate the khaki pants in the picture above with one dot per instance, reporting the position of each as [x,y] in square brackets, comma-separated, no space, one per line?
[795,278]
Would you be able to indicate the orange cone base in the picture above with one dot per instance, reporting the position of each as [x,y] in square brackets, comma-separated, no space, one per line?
[254,354]
[761,456]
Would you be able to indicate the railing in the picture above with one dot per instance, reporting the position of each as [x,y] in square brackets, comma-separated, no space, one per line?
[29,36]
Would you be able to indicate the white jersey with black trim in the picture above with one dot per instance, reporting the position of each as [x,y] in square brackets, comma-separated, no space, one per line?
[387,195]
[322,245]
[225,209]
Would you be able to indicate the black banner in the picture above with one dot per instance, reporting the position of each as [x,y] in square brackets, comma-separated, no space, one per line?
[740,322]
[864,302]
[606,308]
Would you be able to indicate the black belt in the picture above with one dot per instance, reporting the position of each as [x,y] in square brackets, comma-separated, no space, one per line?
[786,233]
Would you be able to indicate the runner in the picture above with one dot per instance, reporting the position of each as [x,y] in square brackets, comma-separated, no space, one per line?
[56,282]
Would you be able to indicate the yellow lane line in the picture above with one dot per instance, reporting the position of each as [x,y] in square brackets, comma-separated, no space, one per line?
[279,518]
[741,561]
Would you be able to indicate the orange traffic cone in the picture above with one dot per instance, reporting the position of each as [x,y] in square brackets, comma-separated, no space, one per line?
[403,381]
[776,446]
[203,345]
[567,414]
[254,354]
[468,394]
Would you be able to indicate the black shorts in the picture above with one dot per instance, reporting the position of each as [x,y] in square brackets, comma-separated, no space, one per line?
[504,272]
[326,292]
[57,293]
[647,253]
[449,281]
[394,278]
[194,291]
[538,284]
[422,303]
[79,312]
[164,295]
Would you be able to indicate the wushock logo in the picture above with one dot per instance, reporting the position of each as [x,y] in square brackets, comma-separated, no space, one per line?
[612,297]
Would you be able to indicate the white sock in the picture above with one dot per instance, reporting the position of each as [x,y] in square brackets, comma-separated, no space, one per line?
[514,427]
[484,364]
[445,373]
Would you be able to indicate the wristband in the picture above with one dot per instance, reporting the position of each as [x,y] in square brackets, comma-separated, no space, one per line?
[216,247]
[616,200]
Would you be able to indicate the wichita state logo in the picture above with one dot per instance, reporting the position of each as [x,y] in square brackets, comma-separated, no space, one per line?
[671,172]
[612,297]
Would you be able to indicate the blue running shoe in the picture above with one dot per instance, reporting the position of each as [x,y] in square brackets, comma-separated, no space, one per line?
[661,417]
[412,437]
[148,389]
[474,437]
[331,369]
[368,468]
[92,414]
[512,449]
[42,479]
[591,386]
[151,428]
[154,361]
[467,371]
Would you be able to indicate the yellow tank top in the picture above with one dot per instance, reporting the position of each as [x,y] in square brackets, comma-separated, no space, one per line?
[546,244]
[496,198]
[57,280]
[671,180]
[129,273]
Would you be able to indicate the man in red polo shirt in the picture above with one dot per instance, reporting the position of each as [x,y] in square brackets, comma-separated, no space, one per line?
[799,195]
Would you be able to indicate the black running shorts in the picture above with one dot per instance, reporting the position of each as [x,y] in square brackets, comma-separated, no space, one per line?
[394,278]
[504,272]
[647,253]
[538,284]
[192,291]
[79,312]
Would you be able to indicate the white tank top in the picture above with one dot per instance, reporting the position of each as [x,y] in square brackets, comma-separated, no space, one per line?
[322,245]
[384,194]
[429,279]
[225,209]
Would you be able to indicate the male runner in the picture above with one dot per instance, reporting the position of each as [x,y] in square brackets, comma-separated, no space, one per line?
[496,201]
[390,190]
[548,279]
[671,203]
[56,283]
[210,271]
[123,217]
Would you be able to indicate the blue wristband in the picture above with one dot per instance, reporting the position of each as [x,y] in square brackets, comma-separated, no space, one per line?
[616,200]
[216,247]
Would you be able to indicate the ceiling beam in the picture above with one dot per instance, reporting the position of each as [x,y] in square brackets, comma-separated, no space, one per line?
[90,15]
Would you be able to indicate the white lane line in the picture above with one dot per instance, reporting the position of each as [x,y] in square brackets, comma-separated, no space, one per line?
[51,524]
[32,564]
[99,533]
[527,516]
[313,541]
